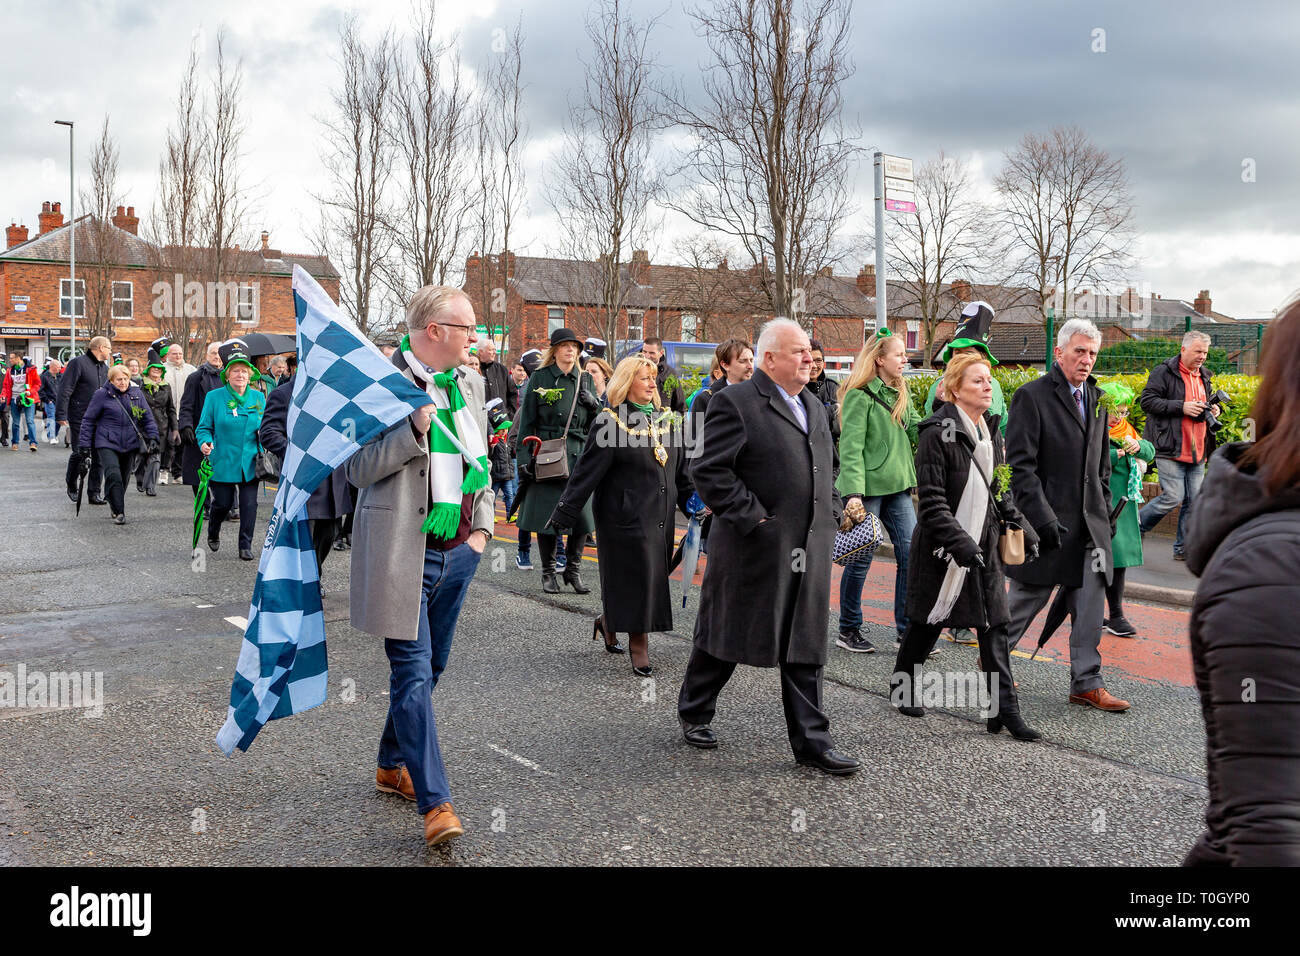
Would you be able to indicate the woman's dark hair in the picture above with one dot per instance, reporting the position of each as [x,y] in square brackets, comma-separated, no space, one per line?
[728,351]
[1276,452]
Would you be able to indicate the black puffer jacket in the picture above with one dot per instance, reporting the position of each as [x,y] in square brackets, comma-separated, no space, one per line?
[1162,400]
[1245,547]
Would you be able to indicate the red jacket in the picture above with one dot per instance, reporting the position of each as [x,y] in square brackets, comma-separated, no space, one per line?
[33,385]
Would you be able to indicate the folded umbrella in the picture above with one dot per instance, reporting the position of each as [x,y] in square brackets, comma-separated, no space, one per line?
[690,555]
[525,482]
[1055,615]
[200,499]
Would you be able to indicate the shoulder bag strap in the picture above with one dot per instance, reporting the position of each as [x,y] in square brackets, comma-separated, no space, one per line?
[144,442]
[572,407]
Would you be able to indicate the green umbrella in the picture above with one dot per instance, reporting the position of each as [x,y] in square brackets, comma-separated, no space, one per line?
[200,499]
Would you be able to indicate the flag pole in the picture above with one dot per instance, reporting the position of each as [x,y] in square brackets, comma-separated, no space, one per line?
[451,437]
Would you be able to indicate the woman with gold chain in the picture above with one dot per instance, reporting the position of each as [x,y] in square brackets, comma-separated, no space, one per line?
[634,469]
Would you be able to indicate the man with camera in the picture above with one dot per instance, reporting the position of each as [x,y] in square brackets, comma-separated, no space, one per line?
[1182,412]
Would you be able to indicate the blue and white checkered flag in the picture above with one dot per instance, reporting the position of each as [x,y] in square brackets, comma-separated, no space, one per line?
[344,394]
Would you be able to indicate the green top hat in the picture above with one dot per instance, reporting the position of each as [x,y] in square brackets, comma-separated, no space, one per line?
[972,331]
[235,352]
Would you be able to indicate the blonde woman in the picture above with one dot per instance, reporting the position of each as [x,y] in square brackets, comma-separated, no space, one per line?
[877,429]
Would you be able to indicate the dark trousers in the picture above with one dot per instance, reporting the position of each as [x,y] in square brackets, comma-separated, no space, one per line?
[995,658]
[223,498]
[572,550]
[171,459]
[801,698]
[1115,592]
[94,480]
[116,466]
[323,533]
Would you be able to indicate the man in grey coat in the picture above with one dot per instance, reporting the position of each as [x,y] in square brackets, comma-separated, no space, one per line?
[765,467]
[410,575]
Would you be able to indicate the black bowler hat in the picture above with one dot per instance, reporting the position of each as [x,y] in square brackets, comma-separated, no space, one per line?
[560,336]
[235,352]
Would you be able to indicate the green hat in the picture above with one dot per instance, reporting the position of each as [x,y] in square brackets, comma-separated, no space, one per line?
[235,352]
[972,331]
[1116,394]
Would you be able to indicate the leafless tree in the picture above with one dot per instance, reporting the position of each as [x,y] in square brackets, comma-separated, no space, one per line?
[354,225]
[707,288]
[771,157]
[947,238]
[606,182]
[105,245]
[1068,208]
[433,129]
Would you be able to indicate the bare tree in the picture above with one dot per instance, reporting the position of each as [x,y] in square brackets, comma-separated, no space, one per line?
[771,157]
[1068,209]
[708,289]
[433,129]
[358,165]
[105,246]
[946,239]
[606,182]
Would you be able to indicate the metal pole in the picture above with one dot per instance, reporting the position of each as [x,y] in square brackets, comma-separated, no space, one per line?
[1051,334]
[882,319]
[72,256]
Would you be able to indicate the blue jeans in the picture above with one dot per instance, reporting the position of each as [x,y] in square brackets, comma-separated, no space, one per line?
[51,426]
[410,733]
[899,518]
[1180,483]
[20,414]
[505,490]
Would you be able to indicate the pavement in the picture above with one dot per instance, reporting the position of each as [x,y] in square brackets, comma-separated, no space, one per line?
[556,753]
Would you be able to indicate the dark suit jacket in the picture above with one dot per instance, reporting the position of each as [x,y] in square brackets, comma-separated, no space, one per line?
[332,498]
[1060,470]
[766,592]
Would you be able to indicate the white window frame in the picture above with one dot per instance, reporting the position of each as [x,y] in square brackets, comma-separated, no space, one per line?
[73,302]
[129,299]
[690,327]
[552,319]
[246,309]
[913,336]
[639,316]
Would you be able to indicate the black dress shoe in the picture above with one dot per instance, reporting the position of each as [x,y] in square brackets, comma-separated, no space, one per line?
[573,578]
[214,544]
[245,554]
[233,516]
[828,761]
[699,735]
[911,711]
[598,630]
[97,500]
[72,496]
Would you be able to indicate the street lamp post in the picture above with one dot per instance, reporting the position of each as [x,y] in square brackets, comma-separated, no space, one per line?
[72,258]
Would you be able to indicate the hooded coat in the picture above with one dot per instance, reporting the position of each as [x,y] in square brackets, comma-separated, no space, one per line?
[1244,545]
[943,458]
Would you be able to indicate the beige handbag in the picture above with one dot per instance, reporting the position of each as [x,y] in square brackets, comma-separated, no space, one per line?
[1011,542]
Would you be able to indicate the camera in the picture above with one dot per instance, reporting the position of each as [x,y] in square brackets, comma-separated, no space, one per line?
[1220,398]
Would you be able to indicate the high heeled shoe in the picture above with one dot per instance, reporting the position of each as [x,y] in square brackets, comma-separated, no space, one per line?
[640,671]
[1015,725]
[598,629]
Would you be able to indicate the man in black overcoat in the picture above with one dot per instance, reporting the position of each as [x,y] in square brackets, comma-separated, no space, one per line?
[765,468]
[1058,447]
[206,378]
[85,375]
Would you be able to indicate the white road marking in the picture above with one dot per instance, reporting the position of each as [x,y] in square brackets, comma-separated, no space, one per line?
[521,760]
[201,606]
[239,622]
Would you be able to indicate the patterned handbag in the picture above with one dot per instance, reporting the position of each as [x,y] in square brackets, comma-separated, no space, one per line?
[860,542]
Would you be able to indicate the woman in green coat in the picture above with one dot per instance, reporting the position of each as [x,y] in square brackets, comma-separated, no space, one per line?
[227,435]
[1129,456]
[878,427]
[558,387]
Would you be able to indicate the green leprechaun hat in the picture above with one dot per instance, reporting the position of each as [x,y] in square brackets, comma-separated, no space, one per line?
[972,331]
[235,352]
[155,361]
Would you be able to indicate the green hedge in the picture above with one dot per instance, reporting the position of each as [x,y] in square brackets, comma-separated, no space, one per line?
[1141,355]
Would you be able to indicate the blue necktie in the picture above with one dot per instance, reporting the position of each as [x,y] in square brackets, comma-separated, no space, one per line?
[1078,400]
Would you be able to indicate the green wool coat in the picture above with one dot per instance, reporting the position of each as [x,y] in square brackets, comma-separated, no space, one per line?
[1126,545]
[998,409]
[875,453]
[536,417]
[233,437]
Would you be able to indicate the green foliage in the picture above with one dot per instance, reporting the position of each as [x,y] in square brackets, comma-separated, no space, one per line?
[688,381]
[1001,480]
[1240,389]
[1142,355]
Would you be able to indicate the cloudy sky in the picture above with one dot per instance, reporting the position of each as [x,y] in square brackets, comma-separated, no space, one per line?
[1185,92]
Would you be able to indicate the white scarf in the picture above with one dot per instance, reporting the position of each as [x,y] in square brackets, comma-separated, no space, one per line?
[971,511]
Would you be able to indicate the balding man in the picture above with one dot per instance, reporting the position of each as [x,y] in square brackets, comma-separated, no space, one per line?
[85,375]
[765,466]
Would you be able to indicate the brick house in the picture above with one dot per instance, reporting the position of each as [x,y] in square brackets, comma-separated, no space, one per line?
[37,301]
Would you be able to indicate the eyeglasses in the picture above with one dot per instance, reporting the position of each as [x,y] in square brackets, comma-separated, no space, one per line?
[469,329]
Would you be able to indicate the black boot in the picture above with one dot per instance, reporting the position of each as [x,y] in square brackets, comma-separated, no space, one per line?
[573,578]
[549,584]
[1015,726]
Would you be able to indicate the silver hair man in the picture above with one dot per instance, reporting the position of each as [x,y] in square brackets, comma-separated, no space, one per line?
[1077,327]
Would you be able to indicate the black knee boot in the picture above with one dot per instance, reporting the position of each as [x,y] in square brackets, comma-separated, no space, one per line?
[546,545]
[573,563]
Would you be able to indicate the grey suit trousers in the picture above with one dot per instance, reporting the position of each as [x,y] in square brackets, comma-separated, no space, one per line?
[1087,605]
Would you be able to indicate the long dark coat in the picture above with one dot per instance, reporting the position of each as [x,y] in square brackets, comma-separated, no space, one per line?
[766,593]
[634,499]
[332,497]
[536,417]
[84,376]
[197,386]
[163,407]
[1060,468]
[942,470]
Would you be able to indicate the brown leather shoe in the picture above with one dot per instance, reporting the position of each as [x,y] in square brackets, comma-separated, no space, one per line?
[396,780]
[441,824]
[1100,698]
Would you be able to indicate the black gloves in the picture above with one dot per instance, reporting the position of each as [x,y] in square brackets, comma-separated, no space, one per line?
[1049,535]
[187,435]
[967,553]
[588,401]
[84,465]
[526,470]
[154,446]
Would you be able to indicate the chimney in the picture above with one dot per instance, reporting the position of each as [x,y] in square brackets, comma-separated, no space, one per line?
[266,251]
[51,218]
[15,235]
[127,219]
[722,266]
[640,266]
[961,290]
[867,280]
[1202,303]
[266,239]
[510,264]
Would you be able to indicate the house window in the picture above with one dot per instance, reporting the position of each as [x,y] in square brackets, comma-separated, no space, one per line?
[690,324]
[913,335]
[247,311]
[123,307]
[635,324]
[554,319]
[66,300]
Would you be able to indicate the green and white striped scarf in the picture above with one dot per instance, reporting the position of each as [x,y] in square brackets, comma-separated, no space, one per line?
[449,479]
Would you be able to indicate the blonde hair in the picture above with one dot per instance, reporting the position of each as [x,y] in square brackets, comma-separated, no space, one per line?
[428,302]
[548,357]
[956,371]
[865,369]
[620,383]
[116,370]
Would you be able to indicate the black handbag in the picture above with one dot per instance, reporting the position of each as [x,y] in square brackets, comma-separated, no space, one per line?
[266,465]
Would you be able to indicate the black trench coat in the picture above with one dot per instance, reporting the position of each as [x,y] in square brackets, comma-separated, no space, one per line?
[766,592]
[942,470]
[545,421]
[1060,470]
[201,381]
[634,499]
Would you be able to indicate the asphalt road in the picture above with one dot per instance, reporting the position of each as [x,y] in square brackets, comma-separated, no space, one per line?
[555,751]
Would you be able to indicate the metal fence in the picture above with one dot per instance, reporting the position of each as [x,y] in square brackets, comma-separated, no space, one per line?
[1234,348]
